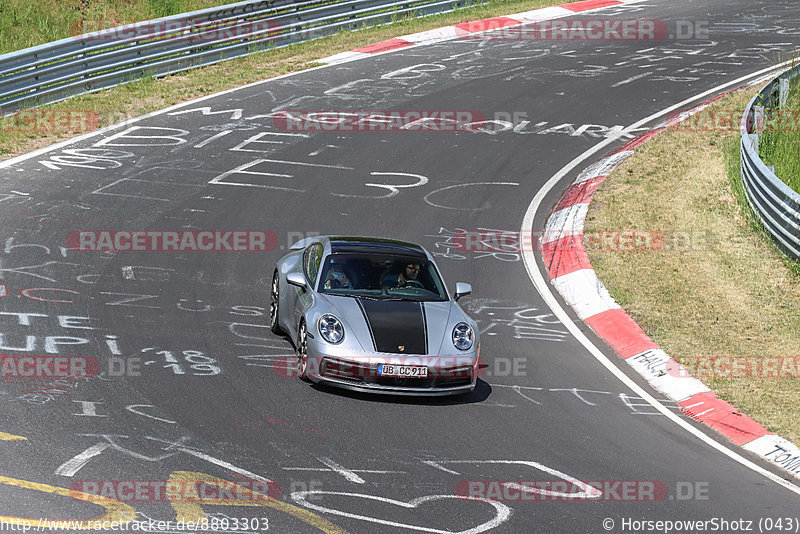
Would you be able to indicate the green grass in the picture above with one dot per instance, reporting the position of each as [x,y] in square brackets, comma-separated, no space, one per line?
[731,147]
[731,153]
[780,143]
[735,296]
[25,23]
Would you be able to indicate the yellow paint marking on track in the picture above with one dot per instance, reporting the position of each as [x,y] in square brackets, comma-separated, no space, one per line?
[10,437]
[188,507]
[115,510]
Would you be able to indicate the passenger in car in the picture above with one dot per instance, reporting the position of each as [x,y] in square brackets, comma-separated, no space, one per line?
[336,278]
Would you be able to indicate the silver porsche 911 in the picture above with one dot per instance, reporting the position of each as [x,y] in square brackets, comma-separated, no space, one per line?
[374,314]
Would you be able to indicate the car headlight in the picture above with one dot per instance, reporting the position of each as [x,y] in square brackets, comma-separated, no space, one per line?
[331,329]
[463,336]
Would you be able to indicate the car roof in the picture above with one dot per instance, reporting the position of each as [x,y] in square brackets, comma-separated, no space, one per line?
[374,245]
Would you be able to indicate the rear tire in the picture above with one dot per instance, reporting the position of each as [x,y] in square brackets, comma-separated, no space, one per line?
[274,303]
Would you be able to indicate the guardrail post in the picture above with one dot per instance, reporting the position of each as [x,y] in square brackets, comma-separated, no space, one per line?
[753,138]
[758,119]
[783,92]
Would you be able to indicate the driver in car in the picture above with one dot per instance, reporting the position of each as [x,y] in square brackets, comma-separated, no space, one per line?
[406,278]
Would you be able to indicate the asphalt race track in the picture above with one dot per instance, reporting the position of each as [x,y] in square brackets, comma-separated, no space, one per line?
[204,392]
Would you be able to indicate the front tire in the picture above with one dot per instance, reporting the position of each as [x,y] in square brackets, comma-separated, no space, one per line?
[302,352]
[274,303]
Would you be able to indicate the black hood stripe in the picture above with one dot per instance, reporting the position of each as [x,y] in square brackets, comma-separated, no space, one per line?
[394,324]
[424,325]
[366,319]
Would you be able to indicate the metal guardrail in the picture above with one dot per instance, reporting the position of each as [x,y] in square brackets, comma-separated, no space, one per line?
[102,59]
[772,200]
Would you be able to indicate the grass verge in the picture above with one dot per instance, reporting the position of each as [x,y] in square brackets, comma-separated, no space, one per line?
[719,291]
[780,143]
[137,98]
[25,23]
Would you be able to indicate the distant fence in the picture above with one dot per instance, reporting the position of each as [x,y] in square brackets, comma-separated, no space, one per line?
[772,200]
[101,59]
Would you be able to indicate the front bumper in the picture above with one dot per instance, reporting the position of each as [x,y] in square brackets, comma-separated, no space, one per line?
[357,370]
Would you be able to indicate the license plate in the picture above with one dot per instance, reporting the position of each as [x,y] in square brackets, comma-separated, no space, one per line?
[406,371]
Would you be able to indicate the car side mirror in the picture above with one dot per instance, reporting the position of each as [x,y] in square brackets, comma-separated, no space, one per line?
[462,289]
[297,279]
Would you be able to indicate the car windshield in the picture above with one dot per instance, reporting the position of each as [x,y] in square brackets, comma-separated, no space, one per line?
[381,276]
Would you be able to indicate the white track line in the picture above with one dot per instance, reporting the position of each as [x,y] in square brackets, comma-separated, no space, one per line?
[346,473]
[544,288]
[73,465]
[225,465]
